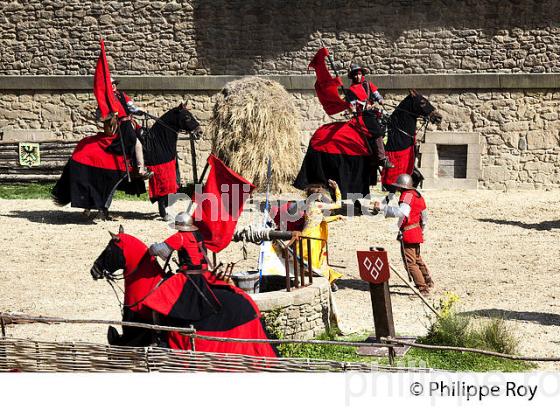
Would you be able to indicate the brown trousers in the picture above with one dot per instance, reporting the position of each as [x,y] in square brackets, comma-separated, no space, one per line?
[416,266]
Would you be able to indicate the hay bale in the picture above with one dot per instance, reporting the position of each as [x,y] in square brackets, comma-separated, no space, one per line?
[254,119]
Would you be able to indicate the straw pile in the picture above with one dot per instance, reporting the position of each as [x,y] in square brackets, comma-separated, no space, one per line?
[254,119]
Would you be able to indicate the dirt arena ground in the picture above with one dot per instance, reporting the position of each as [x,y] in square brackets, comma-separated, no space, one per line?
[500,252]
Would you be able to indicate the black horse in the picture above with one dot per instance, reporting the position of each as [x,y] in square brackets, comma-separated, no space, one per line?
[341,150]
[401,146]
[95,171]
[160,152]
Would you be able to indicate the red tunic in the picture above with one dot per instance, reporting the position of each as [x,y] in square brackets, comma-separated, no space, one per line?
[189,245]
[360,92]
[417,204]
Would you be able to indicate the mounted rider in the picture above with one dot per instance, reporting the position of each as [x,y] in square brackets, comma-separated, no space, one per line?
[362,95]
[127,127]
[188,243]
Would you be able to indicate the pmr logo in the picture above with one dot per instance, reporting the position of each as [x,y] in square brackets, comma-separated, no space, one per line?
[373,266]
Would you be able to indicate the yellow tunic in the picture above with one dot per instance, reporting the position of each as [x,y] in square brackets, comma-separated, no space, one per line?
[316,226]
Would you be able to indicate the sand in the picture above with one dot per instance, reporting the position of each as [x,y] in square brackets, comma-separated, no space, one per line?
[498,251]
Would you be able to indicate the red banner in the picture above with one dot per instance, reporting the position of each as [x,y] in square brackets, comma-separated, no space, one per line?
[102,87]
[220,204]
[326,85]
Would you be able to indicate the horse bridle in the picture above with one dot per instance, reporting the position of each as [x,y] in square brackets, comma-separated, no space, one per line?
[167,126]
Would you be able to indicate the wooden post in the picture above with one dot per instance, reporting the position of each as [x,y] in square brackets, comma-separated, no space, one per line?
[374,269]
[301,262]
[287,265]
[294,254]
[309,261]
[382,310]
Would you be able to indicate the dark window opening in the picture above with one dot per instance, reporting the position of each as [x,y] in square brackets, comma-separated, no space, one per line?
[452,161]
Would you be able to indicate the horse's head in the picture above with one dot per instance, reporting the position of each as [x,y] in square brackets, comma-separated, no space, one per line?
[123,252]
[423,108]
[187,121]
[111,259]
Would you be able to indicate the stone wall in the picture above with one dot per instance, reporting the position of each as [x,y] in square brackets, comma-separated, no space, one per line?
[279,36]
[300,314]
[520,129]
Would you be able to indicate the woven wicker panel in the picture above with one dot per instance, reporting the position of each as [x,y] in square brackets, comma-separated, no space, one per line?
[39,356]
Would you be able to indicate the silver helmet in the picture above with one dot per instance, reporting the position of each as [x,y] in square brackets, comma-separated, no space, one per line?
[356,67]
[404,181]
[184,222]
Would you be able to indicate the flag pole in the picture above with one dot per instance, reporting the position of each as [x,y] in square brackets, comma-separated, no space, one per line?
[123,149]
[265,216]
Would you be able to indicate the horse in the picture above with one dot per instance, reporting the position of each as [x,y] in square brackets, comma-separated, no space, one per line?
[341,151]
[160,152]
[212,306]
[96,170]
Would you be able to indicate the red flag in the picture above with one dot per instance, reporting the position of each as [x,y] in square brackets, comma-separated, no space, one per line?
[220,204]
[102,87]
[326,85]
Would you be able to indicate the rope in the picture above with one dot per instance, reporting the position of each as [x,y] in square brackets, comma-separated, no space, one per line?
[385,341]
[471,350]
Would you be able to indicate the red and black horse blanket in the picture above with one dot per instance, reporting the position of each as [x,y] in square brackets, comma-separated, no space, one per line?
[340,151]
[92,174]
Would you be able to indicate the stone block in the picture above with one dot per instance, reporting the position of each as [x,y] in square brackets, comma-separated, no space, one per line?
[541,140]
[495,174]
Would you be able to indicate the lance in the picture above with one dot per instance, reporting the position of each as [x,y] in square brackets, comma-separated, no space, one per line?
[123,149]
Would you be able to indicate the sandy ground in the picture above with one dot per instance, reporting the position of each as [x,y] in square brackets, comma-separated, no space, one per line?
[500,252]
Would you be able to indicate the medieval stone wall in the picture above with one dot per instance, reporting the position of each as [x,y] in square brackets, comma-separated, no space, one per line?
[303,313]
[519,128]
[279,36]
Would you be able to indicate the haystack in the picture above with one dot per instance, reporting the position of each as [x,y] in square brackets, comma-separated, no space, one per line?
[254,119]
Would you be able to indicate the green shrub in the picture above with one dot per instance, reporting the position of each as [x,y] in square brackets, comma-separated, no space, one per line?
[494,334]
[460,330]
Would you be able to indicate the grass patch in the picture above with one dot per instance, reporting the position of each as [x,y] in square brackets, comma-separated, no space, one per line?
[458,361]
[26,191]
[451,329]
[43,191]
[324,352]
[444,360]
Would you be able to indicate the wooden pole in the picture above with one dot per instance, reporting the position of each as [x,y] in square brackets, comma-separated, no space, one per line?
[294,254]
[301,262]
[287,265]
[422,298]
[309,261]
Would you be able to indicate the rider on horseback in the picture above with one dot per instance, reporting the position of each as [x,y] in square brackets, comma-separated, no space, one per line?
[188,243]
[362,95]
[127,131]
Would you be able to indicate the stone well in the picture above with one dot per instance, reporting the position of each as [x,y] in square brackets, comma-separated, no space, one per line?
[302,313]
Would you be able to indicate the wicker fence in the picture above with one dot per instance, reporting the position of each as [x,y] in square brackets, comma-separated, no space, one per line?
[44,356]
[37,356]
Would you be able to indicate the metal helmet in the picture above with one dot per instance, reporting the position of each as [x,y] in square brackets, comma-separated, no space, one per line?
[404,181]
[184,222]
[355,67]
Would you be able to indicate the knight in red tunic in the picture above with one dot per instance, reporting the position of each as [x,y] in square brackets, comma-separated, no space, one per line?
[413,218]
[362,95]
[188,243]
[127,126]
